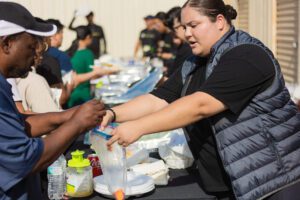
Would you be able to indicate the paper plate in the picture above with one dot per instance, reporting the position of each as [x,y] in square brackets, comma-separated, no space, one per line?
[137,184]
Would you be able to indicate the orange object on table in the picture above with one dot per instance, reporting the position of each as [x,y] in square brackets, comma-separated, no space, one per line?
[119,195]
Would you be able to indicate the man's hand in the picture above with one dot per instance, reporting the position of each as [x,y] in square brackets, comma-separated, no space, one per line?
[89,115]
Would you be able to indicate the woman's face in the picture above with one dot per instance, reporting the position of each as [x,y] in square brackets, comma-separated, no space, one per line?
[178,29]
[159,25]
[88,40]
[42,46]
[200,32]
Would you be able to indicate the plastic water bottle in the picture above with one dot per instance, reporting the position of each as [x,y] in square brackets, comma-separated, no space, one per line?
[56,174]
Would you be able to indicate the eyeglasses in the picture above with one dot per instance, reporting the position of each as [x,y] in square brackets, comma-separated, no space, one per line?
[175,28]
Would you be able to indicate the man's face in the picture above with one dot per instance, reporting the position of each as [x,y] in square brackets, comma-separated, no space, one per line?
[149,23]
[90,18]
[22,51]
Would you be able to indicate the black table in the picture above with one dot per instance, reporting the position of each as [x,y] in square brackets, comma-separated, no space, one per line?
[183,184]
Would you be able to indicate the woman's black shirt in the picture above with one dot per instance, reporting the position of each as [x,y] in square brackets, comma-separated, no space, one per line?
[242,72]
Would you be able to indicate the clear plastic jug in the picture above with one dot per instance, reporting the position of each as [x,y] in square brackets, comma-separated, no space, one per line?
[112,161]
[79,176]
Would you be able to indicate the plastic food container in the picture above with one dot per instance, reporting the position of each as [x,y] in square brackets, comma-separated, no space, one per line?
[112,161]
[79,176]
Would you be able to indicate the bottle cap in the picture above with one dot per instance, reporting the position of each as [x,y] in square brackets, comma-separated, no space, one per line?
[78,160]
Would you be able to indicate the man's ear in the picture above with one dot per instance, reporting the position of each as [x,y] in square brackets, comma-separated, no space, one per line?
[5,45]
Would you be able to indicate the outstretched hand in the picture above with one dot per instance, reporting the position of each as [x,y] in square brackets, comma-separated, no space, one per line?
[125,134]
[107,119]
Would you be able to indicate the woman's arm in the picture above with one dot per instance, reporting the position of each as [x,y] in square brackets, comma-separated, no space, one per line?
[96,73]
[134,109]
[180,113]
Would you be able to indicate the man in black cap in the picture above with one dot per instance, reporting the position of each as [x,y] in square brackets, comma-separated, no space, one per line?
[98,36]
[148,39]
[22,152]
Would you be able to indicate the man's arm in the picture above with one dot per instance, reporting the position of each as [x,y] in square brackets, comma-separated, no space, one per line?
[104,41]
[71,24]
[136,48]
[40,124]
[84,118]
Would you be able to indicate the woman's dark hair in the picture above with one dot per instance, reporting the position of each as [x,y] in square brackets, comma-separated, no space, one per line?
[212,8]
[173,13]
[161,16]
[81,33]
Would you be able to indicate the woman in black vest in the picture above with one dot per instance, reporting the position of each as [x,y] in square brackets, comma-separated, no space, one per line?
[231,99]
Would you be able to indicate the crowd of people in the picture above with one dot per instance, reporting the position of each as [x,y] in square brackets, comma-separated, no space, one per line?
[223,87]
[163,38]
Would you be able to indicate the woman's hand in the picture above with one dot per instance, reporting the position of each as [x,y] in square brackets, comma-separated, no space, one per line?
[107,119]
[100,71]
[125,134]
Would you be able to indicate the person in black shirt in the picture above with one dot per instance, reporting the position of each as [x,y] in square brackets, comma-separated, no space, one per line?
[183,48]
[148,39]
[49,67]
[212,105]
[98,37]
[166,48]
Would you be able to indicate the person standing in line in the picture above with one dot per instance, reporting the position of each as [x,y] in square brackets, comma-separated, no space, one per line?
[82,59]
[82,62]
[184,50]
[166,48]
[65,64]
[148,39]
[34,90]
[241,124]
[98,45]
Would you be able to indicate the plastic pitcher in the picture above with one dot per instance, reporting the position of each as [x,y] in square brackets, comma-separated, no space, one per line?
[79,176]
[112,161]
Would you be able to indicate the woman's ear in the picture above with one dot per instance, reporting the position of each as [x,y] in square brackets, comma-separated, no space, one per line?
[221,22]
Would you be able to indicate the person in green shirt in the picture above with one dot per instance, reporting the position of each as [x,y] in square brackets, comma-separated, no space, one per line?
[81,58]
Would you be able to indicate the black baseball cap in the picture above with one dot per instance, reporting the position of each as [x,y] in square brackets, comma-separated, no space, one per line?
[14,18]
[149,17]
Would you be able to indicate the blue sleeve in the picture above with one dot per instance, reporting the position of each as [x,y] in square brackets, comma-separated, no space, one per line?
[65,62]
[18,152]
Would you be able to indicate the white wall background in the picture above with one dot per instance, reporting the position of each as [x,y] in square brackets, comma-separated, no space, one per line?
[121,19]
